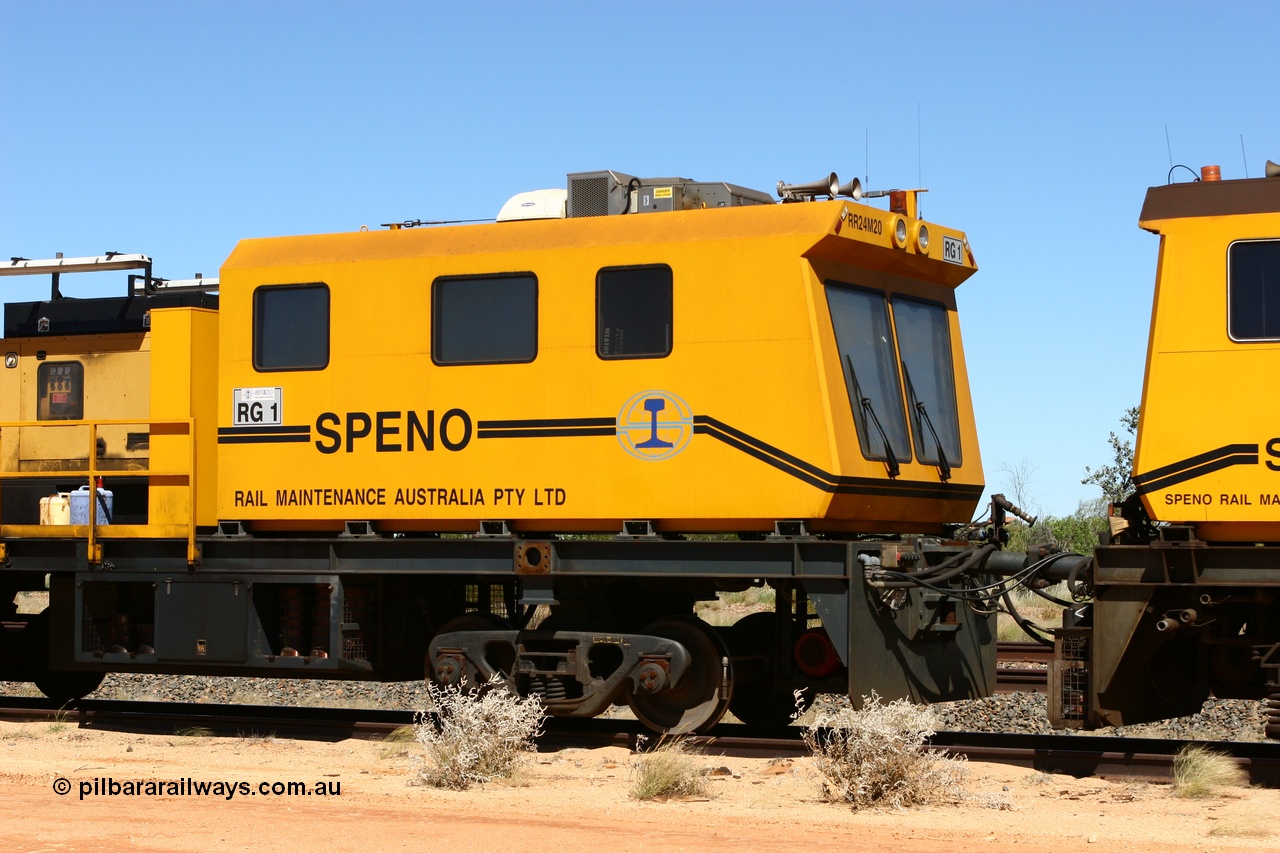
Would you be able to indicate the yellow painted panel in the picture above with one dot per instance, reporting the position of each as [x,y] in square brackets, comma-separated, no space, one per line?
[183,385]
[753,403]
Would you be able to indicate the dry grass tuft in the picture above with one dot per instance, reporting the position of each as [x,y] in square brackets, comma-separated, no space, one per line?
[670,769]
[403,734]
[397,742]
[194,731]
[876,756]
[1244,825]
[60,719]
[475,736]
[253,736]
[1199,772]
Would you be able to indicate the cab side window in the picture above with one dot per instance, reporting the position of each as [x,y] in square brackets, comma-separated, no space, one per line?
[1253,290]
[634,312]
[291,327]
[484,319]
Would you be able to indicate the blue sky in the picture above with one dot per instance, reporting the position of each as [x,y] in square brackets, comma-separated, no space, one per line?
[174,129]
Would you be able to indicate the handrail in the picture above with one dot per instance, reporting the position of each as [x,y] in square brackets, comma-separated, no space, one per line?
[102,422]
[92,472]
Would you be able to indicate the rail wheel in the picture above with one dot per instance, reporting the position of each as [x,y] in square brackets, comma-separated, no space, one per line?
[62,686]
[756,701]
[700,699]
[466,622]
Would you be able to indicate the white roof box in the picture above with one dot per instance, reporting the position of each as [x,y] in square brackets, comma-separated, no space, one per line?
[537,204]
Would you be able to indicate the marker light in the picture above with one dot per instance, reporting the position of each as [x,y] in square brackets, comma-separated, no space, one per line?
[900,233]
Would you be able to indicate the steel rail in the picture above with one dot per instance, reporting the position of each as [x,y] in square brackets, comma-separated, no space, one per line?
[1025,652]
[1100,756]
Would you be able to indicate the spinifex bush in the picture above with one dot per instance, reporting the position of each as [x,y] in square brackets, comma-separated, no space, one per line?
[876,756]
[1200,772]
[668,770]
[475,736]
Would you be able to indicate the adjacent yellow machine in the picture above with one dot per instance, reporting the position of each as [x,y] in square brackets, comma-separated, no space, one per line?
[1185,595]
[1208,447]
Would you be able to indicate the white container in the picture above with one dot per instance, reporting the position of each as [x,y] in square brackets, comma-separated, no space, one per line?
[80,505]
[56,509]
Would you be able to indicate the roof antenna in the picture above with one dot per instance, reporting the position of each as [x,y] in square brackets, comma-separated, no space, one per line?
[1243,157]
[919,158]
[866,153]
[1168,145]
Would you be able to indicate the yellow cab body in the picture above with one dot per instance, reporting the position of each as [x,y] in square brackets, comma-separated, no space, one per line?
[1208,448]
[571,374]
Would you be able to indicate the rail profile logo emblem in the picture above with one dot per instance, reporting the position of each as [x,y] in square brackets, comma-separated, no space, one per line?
[655,425]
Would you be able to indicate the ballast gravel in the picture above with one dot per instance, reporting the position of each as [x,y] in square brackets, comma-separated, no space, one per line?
[1024,713]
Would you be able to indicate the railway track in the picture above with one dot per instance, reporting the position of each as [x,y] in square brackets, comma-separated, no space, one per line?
[1076,755]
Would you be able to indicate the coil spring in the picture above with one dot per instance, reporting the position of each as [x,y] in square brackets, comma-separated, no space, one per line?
[546,688]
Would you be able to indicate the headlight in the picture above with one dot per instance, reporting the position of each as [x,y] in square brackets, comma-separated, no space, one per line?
[922,239]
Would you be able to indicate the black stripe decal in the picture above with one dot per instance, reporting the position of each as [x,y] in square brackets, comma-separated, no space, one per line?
[545,432]
[540,423]
[1196,461]
[820,479]
[265,430]
[705,429]
[262,439]
[815,476]
[813,470]
[1149,485]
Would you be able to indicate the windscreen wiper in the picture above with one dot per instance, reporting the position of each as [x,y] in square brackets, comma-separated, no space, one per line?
[944,467]
[891,461]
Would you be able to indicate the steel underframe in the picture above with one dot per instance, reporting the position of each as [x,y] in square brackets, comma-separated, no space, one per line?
[886,652]
[478,555]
